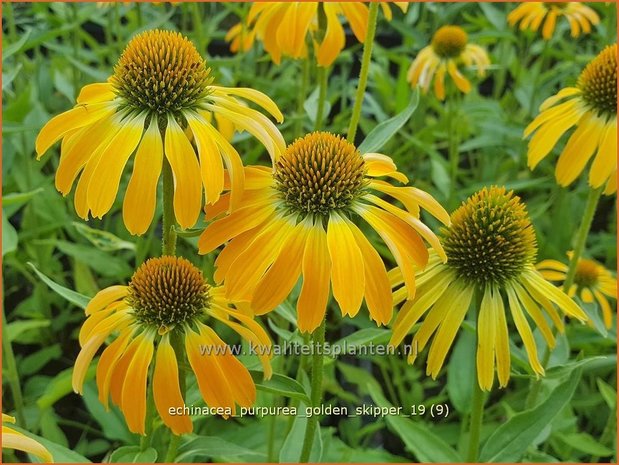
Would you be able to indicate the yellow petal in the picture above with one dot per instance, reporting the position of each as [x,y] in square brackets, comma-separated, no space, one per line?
[78,117]
[334,39]
[535,313]
[378,165]
[377,287]
[348,286]
[549,24]
[312,302]
[503,359]
[254,96]
[524,330]
[107,363]
[12,439]
[462,83]
[357,15]
[141,197]
[166,388]
[579,149]
[96,93]
[486,339]
[567,305]
[605,162]
[105,297]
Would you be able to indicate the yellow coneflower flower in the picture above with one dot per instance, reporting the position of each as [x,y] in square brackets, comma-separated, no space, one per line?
[284,27]
[592,282]
[298,220]
[491,249]
[591,106]
[13,439]
[166,300]
[532,14]
[449,48]
[158,103]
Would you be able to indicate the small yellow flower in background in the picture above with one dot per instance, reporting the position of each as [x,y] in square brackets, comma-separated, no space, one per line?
[166,298]
[283,28]
[298,220]
[591,106]
[448,50]
[159,100]
[491,249]
[592,282]
[531,15]
[13,439]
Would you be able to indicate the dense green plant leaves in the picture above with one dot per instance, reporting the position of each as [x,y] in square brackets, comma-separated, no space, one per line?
[215,447]
[417,436]
[461,372]
[103,240]
[281,385]
[60,453]
[510,441]
[291,449]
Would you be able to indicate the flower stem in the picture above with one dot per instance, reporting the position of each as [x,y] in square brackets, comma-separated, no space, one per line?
[363,73]
[179,349]
[169,221]
[452,138]
[318,340]
[583,232]
[323,77]
[301,99]
[197,26]
[477,402]
[11,373]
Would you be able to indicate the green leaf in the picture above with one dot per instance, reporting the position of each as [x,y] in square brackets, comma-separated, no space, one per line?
[11,49]
[427,446]
[15,328]
[291,449]
[281,385]
[608,393]
[384,131]
[111,421]
[461,372]
[510,441]
[361,338]
[72,296]
[9,236]
[19,198]
[585,443]
[133,454]
[60,386]
[211,446]
[102,240]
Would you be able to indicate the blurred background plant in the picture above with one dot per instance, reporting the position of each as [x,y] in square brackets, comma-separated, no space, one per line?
[52,49]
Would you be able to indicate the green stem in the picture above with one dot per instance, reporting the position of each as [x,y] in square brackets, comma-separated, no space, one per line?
[301,99]
[581,238]
[76,48]
[138,14]
[11,373]
[477,414]
[452,137]
[322,97]
[368,45]
[169,221]
[318,340]
[197,26]
[179,349]
[10,20]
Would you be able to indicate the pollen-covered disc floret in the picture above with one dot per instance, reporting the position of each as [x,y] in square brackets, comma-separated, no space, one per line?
[166,291]
[161,71]
[320,173]
[449,41]
[491,239]
[587,273]
[598,83]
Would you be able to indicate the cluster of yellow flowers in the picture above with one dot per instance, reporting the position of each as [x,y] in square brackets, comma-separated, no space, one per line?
[300,217]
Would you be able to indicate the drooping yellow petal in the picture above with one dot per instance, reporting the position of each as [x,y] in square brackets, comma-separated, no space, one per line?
[524,330]
[607,312]
[96,93]
[357,15]
[486,339]
[105,297]
[312,302]
[535,313]
[281,277]
[533,279]
[166,388]
[503,359]
[107,363]
[444,337]
[547,136]
[549,24]
[141,196]
[334,39]
[78,117]
[462,83]
[12,439]
[605,162]
[377,287]
[348,285]
[211,164]
[378,165]
[134,387]
[186,174]
[255,96]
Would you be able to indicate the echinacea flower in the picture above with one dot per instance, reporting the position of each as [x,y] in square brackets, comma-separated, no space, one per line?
[591,106]
[159,102]
[531,15]
[166,301]
[448,50]
[592,282]
[491,249]
[284,27]
[299,219]
[13,439]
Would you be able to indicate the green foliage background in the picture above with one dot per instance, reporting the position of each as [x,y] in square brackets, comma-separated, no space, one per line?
[52,49]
